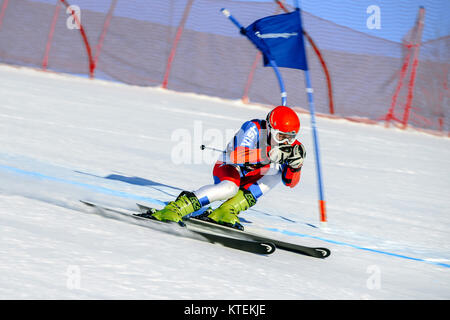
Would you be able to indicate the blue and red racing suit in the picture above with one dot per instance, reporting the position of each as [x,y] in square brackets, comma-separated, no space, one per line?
[246,163]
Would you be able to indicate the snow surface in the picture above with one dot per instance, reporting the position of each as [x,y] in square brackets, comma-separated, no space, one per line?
[65,138]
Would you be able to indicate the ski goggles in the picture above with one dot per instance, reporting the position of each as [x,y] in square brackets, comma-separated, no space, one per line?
[282,137]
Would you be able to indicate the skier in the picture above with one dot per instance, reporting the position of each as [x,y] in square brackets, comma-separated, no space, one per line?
[260,155]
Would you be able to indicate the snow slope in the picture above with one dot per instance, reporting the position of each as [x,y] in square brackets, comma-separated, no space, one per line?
[66,138]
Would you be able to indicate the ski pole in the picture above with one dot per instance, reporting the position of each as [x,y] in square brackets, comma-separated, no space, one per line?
[203,147]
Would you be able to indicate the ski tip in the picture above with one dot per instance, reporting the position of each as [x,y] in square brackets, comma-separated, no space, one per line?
[140,205]
[90,204]
[269,247]
[323,252]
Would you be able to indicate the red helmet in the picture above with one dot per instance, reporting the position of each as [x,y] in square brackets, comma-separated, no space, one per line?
[284,124]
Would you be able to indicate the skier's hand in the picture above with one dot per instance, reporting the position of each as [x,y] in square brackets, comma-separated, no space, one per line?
[298,154]
[279,154]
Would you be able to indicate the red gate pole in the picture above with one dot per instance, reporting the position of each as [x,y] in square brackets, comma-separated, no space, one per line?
[414,68]
[175,43]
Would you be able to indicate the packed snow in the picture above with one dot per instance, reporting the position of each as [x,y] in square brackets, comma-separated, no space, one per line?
[66,138]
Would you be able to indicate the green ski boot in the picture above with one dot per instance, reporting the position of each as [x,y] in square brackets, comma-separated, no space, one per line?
[227,213]
[185,204]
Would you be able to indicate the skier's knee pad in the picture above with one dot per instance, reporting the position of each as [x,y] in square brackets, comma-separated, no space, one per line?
[222,191]
[229,188]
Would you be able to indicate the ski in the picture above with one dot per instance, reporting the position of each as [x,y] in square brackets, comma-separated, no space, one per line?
[195,223]
[248,245]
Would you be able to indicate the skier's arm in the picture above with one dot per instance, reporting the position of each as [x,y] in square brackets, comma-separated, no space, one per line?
[290,176]
[292,170]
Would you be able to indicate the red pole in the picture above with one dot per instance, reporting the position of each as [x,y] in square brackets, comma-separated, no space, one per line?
[50,35]
[175,43]
[323,212]
[414,68]
[2,11]
[390,115]
[104,31]
[85,40]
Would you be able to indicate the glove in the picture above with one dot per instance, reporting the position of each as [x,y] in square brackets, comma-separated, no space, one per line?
[279,154]
[296,157]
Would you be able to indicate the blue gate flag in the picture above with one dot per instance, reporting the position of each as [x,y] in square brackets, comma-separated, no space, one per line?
[280,38]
